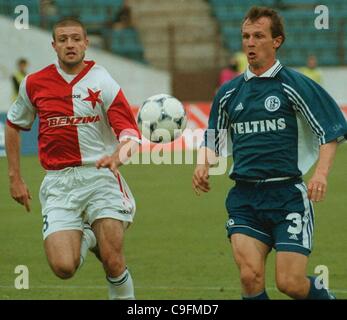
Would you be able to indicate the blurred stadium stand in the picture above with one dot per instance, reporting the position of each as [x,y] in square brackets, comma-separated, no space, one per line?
[97,15]
[193,39]
[302,37]
[178,35]
[125,42]
[183,37]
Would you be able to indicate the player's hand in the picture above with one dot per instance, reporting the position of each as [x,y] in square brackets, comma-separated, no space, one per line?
[107,162]
[317,187]
[20,192]
[200,179]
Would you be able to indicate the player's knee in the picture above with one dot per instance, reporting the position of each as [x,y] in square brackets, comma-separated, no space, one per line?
[250,277]
[114,263]
[64,270]
[290,285]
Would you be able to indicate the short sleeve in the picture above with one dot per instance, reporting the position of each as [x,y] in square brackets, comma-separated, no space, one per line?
[318,108]
[218,122]
[22,113]
[119,113]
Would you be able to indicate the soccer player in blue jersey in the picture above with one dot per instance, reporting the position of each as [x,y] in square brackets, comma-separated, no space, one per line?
[279,123]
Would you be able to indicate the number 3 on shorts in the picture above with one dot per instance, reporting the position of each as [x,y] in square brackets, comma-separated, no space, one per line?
[297,220]
[45,223]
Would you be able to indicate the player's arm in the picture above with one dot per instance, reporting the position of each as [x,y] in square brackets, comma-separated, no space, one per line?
[122,120]
[20,116]
[318,108]
[317,185]
[205,159]
[327,123]
[18,188]
[209,150]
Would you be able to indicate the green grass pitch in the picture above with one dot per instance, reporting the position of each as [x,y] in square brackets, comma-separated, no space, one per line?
[176,249]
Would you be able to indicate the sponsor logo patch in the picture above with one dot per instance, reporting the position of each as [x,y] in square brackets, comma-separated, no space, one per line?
[71,121]
[230,223]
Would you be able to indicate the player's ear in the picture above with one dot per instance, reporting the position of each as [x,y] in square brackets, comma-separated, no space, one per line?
[277,42]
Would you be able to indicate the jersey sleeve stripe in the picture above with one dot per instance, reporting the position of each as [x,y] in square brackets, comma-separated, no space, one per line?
[302,106]
[301,102]
[302,111]
[223,118]
[211,136]
[222,115]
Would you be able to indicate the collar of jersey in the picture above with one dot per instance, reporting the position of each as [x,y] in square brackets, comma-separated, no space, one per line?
[270,73]
[79,76]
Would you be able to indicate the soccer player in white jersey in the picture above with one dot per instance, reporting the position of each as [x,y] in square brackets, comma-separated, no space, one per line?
[85,125]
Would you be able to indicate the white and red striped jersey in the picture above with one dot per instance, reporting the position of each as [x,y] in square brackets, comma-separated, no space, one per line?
[81,118]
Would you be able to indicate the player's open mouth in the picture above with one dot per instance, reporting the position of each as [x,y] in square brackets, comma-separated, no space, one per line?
[251,55]
[71,54]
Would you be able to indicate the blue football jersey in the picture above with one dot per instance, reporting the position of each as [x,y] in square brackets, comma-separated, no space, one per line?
[275,123]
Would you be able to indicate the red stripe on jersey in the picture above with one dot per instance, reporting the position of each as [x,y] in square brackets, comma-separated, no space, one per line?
[52,96]
[121,118]
[89,65]
[10,124]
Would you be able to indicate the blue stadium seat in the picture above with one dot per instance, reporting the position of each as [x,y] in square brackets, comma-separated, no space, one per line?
[302,37]
[97,15]
[226,14]
[299,2]
[126,42]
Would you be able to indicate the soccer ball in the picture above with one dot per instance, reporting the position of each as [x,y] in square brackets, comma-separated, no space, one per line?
[162,118]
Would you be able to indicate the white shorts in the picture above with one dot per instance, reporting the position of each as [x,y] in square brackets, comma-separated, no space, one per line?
[75,195]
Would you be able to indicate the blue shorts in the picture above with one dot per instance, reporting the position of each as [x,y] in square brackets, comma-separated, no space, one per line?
[277,213]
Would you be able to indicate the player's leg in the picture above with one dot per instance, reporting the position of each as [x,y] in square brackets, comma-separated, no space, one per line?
[250,256]
[62,197]
[88,242]
[110,233]
[110,210]
[63,252]
[292,280]
[291,274]
[293,234]
[251,241]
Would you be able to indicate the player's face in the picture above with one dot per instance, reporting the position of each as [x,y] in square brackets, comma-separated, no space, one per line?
[70,45]
[258,44]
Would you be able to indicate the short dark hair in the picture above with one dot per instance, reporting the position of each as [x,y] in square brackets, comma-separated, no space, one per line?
[277,24]
[68,21]
[22,61]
